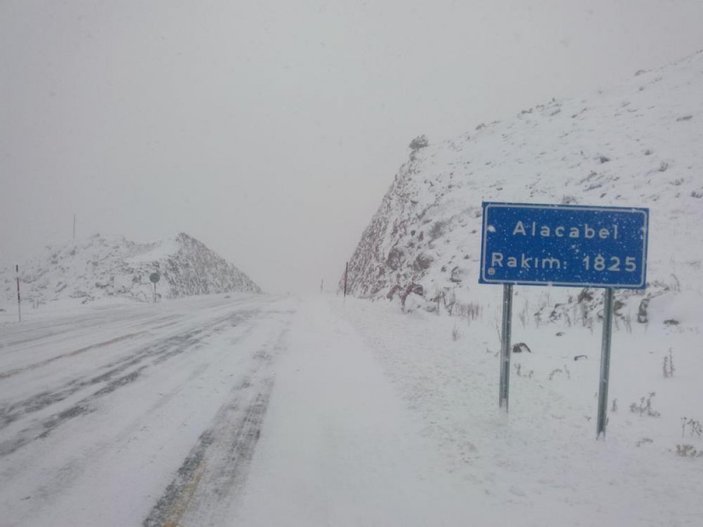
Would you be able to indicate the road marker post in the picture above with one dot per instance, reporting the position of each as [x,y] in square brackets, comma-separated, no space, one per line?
[346,272]
[19,302]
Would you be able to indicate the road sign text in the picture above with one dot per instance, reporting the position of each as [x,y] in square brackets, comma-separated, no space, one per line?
[568,245]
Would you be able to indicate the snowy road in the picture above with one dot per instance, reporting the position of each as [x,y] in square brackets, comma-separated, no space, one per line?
[130,415]
[151,415]
[259,411]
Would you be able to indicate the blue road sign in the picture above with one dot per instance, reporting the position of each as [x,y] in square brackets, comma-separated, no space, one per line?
[564,245]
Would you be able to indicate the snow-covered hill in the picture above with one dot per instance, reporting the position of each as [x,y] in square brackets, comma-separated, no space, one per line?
[102,267]
[639,144]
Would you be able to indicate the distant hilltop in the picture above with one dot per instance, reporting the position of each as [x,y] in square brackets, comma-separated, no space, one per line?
[101,267]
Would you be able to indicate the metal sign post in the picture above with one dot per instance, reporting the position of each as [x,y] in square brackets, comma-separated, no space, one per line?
[605,362]
[563,245]
[505,346]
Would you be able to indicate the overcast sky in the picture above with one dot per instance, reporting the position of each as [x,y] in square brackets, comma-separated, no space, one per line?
[270,130]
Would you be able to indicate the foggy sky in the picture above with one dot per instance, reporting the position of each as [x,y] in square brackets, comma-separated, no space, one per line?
[270,130]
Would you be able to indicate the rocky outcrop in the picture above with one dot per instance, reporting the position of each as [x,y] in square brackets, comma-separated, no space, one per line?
[635,145]
[102,267]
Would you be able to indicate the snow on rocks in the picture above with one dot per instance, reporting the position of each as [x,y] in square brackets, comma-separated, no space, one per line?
[637,144]
[102,267]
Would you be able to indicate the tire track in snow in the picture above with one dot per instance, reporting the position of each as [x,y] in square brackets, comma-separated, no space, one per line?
[10,373]
[60,330]
[68,473]
[217,465]
[120,373]
[162,349]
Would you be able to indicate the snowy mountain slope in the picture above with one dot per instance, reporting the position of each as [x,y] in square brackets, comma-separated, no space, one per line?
[638,144]
[102,267]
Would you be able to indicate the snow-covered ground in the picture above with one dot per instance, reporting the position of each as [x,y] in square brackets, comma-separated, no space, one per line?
[541,464]
[255,410]
[122,415]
